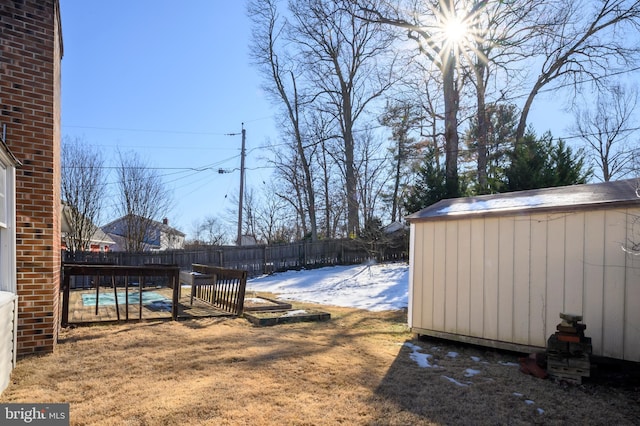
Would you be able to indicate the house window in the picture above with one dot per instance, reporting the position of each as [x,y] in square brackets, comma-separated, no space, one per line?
[3,197]
[7,222]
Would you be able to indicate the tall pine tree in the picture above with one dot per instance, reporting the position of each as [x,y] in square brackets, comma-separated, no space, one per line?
[543,163]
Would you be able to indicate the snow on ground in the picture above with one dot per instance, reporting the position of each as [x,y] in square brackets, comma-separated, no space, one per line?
[375,287]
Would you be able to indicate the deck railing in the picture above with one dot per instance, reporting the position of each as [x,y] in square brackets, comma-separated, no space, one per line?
[222,288]
[116,275]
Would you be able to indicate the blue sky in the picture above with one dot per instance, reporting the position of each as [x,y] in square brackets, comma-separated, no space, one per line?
[169,81]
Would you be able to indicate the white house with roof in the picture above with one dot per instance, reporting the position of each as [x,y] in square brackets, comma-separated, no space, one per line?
[159,236]
[98,242]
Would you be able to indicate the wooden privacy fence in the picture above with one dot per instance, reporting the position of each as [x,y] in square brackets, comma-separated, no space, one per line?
[222,288]
[261,259]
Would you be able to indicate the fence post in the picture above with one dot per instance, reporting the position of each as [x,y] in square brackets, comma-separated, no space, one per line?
[265,259]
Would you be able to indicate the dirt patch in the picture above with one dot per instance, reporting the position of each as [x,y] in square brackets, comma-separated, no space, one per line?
[359,367]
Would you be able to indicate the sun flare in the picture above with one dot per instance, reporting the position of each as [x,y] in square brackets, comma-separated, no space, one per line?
[455,31]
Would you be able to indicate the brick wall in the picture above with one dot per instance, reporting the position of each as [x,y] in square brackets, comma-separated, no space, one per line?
[30,52]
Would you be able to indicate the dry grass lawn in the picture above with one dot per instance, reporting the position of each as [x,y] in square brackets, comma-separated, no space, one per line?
[353,369]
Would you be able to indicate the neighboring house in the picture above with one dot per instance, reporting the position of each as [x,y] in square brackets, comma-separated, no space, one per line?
[160,236]
[395,228]
[99,241]
[497,270]
[30,59]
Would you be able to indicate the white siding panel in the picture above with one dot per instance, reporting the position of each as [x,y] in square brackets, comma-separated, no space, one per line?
[464,277]
[426,279]
[614,280]
[7,338]
[593,314]
[476,309]
[451,277]
[555,271]
[574,266]
[439,275]
[505,279]
[538,286]
[415,269]
[521,254]
[632,296]
[491,268]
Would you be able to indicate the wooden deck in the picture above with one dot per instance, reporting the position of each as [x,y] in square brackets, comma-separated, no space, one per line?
[81,313]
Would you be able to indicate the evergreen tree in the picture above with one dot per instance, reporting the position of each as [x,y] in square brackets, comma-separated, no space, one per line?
[543,163]
[501,122]
[430,186]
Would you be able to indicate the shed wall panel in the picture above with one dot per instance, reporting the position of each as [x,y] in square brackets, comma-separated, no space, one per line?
[574,271]
[428,244]
[424,273]
[415,278]
[464,277]
[614,279]
[632,296]
[594,245]
[521,254]
[555,272]
[476,310]
[491,270]
[538,283]
[439,276]
[451,277]
[505,279]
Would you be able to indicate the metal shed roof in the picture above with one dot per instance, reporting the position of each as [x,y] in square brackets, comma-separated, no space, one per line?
[560,198]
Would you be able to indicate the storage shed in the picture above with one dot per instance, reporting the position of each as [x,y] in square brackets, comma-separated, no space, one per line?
[497,270]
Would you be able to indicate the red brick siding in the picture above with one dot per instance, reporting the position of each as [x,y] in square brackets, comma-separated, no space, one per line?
[30,52]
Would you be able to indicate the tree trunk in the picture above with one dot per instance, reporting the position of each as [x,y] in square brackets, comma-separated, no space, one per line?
[483,184]
[450,124]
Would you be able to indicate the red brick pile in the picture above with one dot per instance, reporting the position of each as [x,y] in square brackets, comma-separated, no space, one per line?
[569,351]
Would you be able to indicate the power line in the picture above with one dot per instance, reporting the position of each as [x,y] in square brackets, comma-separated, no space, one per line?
[122,129]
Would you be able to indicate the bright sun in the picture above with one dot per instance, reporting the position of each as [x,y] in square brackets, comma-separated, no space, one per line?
[455,31]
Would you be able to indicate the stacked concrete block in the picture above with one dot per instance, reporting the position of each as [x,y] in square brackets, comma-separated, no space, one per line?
[569,350]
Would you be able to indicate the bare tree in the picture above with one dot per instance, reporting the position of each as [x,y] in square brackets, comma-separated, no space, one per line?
[273,60]
[493,47]
[606,130]
[83,191]
[582,41]
[372,174]
[209,231]
[574,41]
[142,199]
[427,23]
[289,187]
[345,59]
[401,118]
[274,221]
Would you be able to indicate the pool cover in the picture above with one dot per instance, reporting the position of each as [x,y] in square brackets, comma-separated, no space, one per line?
[107,299]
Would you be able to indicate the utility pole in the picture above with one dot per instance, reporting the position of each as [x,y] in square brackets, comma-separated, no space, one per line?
[240,198]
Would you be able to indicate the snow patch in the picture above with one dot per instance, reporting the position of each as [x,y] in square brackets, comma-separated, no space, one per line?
[419,358]
[294,313]
[375,287]
[455,382]
[470,372]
